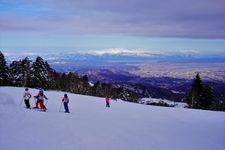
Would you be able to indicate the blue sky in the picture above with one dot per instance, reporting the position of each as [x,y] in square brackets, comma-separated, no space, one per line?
[84,25]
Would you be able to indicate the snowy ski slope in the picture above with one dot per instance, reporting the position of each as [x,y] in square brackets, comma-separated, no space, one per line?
[92,126]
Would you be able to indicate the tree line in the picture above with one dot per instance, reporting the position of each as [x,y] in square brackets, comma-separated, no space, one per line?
[39,74]
[201,96]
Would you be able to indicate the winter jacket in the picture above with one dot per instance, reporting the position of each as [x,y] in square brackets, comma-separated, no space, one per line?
[65,100]
[40,97]
[26,95]
[107,99]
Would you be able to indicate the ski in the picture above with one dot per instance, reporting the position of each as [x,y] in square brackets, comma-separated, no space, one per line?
[38,109]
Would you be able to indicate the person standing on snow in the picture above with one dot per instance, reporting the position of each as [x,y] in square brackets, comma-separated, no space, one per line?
[36,100]
[65,101]
[40,100]
[27,97]
[107,101]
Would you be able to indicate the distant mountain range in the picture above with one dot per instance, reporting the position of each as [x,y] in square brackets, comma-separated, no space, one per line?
[150,74]
[112,57]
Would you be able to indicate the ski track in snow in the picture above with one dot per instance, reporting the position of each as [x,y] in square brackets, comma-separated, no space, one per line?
[92,126]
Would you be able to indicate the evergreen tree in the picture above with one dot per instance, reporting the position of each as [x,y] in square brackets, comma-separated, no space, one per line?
[85,85]
[74,82]
[56,79]
[200,96]
[26,71]
[39,74]
[4,71]
[128,95]
[106,89]
[207,97]
[20,72]
[15,73]
[195,95]
[51,73]
[96,89]
[63,82]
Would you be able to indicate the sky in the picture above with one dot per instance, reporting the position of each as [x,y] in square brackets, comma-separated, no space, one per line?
[86,25]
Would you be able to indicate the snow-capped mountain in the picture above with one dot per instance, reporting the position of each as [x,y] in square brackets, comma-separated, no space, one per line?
[115,56]
[127,52]
[91,125]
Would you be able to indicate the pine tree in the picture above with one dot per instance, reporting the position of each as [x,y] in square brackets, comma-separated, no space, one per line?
[56,79]
[74,82]
[4,71]
[26,71]
[200,96]
[207,97]
[106,89]
[15,73]
[39,74]
[96,89]
[20,72]
[85,85]
[195,95]
[51,73]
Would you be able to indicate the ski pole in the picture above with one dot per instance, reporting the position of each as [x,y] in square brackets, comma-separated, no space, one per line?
[60,107]
[35,100]
[21,102]
[46,103]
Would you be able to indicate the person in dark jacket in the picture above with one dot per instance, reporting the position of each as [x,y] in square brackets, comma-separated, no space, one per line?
[65,101]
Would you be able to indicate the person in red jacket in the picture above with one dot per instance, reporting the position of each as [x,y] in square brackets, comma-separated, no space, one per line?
[107,101]
[40,100]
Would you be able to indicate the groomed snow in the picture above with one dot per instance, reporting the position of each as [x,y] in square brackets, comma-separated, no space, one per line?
[92,126]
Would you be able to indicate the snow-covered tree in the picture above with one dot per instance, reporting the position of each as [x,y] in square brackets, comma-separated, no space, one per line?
[20,72]
[39,74]
[4,71]
[15,73]
[26,70]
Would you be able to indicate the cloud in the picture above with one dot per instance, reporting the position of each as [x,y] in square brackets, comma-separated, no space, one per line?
[155,18]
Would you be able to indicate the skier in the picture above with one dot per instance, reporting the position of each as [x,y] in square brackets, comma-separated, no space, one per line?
[65,101]
[107,101]
[36,100]
[27,97]
[40,100]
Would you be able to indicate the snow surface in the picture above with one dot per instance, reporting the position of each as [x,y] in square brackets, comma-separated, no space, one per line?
[159,100]
[92,126]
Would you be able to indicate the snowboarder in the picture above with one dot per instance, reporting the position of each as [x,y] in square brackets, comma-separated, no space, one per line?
[26,97]
[107,101]
[40,100]
[65,101]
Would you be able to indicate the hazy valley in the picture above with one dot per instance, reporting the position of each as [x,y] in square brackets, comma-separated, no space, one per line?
[159,76]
